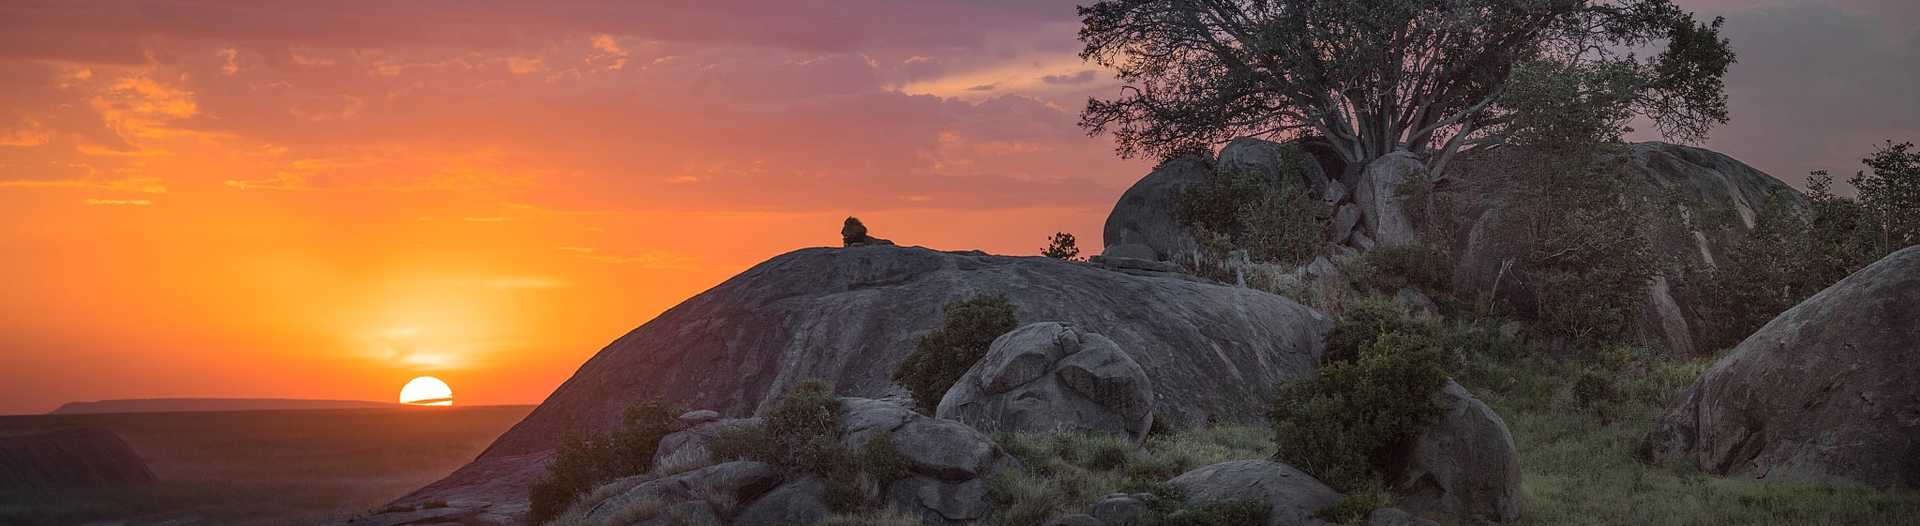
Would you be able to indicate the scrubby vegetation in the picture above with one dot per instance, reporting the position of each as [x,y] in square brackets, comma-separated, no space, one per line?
[583,461]
[1061,245]
[1791,254]
[940,357]
[1067,472]
[802,435]
[1377,390]
[1267,217]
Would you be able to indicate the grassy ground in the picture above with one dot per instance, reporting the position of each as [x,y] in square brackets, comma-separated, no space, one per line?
[1578,464]
[265,467]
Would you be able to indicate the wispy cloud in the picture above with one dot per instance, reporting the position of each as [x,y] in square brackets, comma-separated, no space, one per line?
[118,202]
[650,259]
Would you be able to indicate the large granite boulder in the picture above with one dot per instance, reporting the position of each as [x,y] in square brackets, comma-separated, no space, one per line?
[1052,376]
[850,316]
[1464,465]
[1827,391]
[1291,496]
[1698,183]
[69,458]
[1383,210]
[1265,158]
[1144,215]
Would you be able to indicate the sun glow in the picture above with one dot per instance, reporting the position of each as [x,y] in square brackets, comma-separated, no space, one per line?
[426,390]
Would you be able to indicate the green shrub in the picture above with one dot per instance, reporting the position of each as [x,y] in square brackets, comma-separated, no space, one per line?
[802,435]
[879,458]
[1366,320]
[633,444]
[583,461]
[1354,507]
[1271,219]
[1341,424]
[1418,265]
[943,355]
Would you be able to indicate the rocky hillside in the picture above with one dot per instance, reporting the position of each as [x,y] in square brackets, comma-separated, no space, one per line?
[1698,185]
[849,316]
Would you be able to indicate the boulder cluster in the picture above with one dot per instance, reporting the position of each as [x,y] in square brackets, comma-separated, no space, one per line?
[1126,343]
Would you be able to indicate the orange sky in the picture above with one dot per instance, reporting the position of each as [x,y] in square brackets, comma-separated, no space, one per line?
[236,199]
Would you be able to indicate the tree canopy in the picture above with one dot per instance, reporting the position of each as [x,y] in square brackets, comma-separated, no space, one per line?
[1434,77]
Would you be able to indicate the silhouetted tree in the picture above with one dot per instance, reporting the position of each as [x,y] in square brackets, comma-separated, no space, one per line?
[1061,245]
[1434,77]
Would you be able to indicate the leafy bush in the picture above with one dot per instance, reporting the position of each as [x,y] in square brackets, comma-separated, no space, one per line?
[1590,252]
[1061,245]
[583,461]
[943,355]
[802,434]
[1788,256]
[1354,507]
[1366,320]
[1423,266]
[1272,220]
[1342,423]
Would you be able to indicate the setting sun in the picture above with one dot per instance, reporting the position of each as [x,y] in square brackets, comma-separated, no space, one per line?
[426,390]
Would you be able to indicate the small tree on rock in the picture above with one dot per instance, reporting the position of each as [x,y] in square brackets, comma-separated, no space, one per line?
[1061,245]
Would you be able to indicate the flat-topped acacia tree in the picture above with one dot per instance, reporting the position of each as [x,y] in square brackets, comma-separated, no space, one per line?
[1433,77]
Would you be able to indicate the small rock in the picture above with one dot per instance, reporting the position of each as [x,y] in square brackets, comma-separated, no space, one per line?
[1130,250]
[1345,220]
[696,418]
[1463,465]
[1119,510]
[945,449]
[801,501]
[1291,496]
[1417,303]
[1334,193]
[938,502]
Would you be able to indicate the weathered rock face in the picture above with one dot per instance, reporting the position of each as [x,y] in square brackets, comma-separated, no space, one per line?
[687,497]
[1383,212]
[1829,390]
[1463,465]
[850,316]
[1291,496]
[78,457]
[1699,182]
[1263,157]
[1050,376]
[1144,216]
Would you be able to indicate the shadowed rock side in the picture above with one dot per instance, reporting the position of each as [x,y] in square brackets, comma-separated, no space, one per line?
[1700,183]
[1142,223]
[1829,390]
[850,316]
[69,458]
